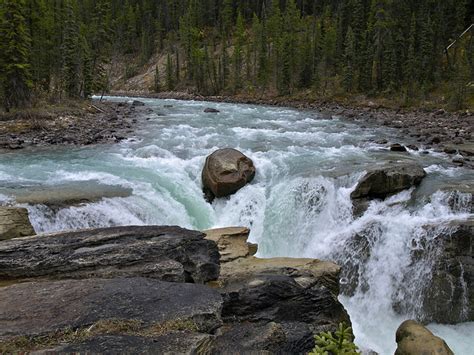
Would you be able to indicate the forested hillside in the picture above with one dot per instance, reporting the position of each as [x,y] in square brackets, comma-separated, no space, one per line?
[325,48]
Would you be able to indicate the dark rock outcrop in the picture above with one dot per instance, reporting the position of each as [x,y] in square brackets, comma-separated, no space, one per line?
[14,223]
[449,294]
[383,182]
[225,172]
[263,337]
[414,339]
[37,308]
[166,253]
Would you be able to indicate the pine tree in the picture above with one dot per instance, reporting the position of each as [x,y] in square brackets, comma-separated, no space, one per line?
[14,55]
[71,52]
[349,61]
[169,73]
[237,56]
[156,81]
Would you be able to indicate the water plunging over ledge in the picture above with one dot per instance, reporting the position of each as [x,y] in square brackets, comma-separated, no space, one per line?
[298,205]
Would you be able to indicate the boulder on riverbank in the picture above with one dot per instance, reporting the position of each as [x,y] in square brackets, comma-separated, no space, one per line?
[386,181]
[14,223]
[161,252]
[414,339]
[225,172]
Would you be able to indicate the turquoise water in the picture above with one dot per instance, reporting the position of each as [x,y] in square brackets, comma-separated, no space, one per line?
[298,205]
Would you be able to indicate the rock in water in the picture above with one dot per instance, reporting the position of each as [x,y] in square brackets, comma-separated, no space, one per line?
[14,223]
[397,148]
[381,183]
[137,103]
[414,339]
[36,308]
[161,252]
[211,110]
[225,172]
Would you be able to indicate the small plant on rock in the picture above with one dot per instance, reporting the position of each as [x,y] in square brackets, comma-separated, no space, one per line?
[339,343]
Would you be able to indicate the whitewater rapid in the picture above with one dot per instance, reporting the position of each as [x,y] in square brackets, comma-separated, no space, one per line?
[298,205]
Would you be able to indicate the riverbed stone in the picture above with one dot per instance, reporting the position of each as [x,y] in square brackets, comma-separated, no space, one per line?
[14,223]
[225,172]
[415,339]
[163,252]
[39,308]
[386,181]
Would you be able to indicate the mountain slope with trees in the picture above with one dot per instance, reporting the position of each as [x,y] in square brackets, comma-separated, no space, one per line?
[323,48]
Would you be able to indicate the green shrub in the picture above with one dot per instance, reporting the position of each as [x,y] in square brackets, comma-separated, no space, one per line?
[339,343]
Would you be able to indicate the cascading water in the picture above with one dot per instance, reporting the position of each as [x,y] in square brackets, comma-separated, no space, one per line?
[298,205]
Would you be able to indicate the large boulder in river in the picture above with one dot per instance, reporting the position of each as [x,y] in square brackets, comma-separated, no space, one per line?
[14,223]
[225,172]
[386,181]
[161,252]
[414,339]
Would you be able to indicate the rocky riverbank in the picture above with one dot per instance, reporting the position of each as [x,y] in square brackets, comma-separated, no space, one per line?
[79,123]
[161,288]
[443,131]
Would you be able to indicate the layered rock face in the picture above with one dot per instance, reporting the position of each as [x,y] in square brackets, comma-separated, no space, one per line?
[114,294]
[414,339]
[165,253]
[14,223]
[449,294]
[225,172]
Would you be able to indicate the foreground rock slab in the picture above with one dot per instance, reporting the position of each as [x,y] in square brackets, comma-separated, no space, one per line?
[225,172]
[161,252]
[37,308]
[14,223]
[386,181]
[414,339]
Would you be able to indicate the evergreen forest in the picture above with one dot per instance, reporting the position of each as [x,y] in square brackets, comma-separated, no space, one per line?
[404,49]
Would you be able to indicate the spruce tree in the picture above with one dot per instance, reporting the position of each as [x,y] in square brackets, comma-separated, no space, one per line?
[169,73]
[349,61]
[15,73]
[156,80]
[71,52]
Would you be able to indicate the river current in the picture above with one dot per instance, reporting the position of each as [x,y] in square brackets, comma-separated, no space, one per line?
[298,205]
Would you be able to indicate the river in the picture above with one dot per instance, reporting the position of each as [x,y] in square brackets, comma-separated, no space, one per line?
[298,205]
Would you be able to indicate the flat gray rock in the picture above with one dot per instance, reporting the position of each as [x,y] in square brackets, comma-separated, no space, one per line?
[161,252]
[64,195]
[36,308]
